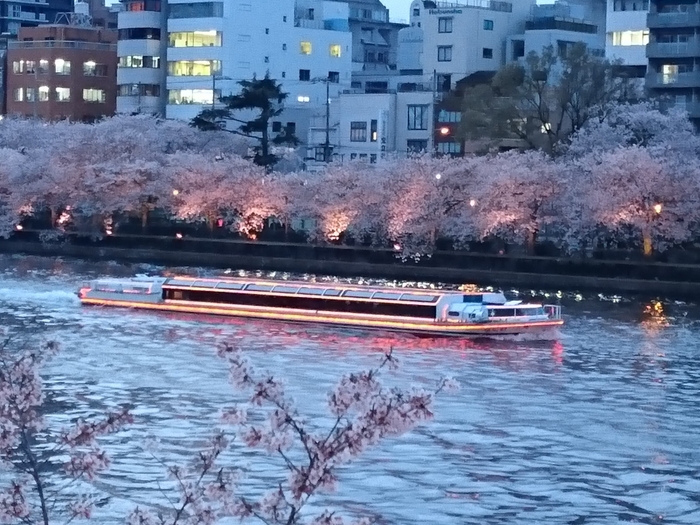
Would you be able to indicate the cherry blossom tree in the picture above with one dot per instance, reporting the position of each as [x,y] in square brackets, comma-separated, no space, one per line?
[519,194]
[630,189]
[363,414]
[46,463]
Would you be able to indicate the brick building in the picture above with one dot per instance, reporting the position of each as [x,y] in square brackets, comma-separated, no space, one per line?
[62,71]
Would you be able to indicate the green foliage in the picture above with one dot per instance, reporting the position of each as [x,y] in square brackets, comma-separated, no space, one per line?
[546,100]
[265,98]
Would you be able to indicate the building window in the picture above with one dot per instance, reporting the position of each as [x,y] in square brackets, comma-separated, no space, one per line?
[192,96]
[61,67]
[193,68]
[284,47]
[488,25]
[18,95]
[267,60]
[276,127]
[195,39]
[487,52]
[444,25]
[444,53]
[267,30]
[92,69]
[62,94]
[373,131]
[334,77]
[416,11]
[305,47]
[418,117]
[30,94]
[94,95]
[18,66]
[416,146]
[630,38]
[303,99]
[44,94]
[335,50]
[139,33]
[30,67]
[372,158]
[319,154]
[197,10]
[305,75]
[451,148]
[631,5]
[449,116]
[358,132]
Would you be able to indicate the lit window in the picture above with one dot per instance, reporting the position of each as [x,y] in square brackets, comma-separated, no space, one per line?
[191,96]
[193,68]
[94,95]
[18,66]
[43,66]
[92,69]
[305,47]
[336,50]
[62,94]
[303,99]
[44,94]
[195,39]
[18,94]
[630,38]
[61,67]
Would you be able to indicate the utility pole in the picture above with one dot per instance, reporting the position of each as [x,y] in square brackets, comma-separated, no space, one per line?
[36,87]
[327,145]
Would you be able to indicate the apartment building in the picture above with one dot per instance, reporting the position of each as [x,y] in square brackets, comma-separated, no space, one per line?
[62,71]
[627,35]
[23,13]
[674,53]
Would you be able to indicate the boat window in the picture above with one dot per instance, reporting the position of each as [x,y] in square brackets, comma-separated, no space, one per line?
[311,291]
[385,295]
[504,312]
[453,314]
[357,293]
[332,292]
[259,287]
[419,298]
[230,286]
[204,284]
[526,311]
[286,289]
[473,298]
[180,282]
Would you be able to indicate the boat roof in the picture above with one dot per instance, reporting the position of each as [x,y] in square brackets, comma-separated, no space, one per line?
[312,289]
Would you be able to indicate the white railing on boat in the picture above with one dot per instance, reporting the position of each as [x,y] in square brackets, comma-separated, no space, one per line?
[553,311]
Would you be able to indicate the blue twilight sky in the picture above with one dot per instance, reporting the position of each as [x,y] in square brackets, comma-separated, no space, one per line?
[398,9]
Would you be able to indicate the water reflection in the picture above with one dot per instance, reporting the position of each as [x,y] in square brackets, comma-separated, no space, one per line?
[594,425]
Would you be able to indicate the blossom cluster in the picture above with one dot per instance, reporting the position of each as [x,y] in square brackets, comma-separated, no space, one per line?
[631,176]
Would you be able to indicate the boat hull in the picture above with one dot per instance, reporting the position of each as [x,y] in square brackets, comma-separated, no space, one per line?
[409,325]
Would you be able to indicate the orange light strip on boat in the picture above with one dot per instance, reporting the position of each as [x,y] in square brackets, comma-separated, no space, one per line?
[276,315]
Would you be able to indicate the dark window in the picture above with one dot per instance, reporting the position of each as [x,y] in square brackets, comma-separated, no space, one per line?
[416,146]
[417,117]
[305,74]
[488,25]
[304,303]
[276,127]
[372,158]
[444,53]
[291,128]
[197,10]
[416,12]
[473,298]
[487,52]
[373,131]
[139,33]
[334,77]
[358,132]
[444,25]
[444,82]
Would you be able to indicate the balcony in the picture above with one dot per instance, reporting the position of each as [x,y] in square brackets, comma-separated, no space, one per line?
[669,80]
[674,49]
[62,44]
[668,20]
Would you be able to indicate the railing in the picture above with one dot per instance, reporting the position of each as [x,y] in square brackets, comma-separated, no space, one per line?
[62,44]
[492,5]
[661,80]
[690,48]
[309,24]
[688,19]
[553,311]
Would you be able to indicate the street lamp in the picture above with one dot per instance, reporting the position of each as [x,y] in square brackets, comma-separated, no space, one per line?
[472,203]
[176,192]
[444,131]
[658,208]
[438,176]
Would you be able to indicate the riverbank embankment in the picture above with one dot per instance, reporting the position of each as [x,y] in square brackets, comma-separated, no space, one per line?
[519,271]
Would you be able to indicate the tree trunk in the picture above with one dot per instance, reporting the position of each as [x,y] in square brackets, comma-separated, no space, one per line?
[53,217]
[531,241]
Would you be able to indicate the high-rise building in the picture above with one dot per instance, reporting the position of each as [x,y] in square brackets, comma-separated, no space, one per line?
[674,53]
[627,35]
[17,13]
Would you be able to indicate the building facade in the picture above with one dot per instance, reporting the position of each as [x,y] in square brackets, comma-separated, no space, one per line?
[62,71]
[674,53]
[627,35]
[17,13]
[141,70]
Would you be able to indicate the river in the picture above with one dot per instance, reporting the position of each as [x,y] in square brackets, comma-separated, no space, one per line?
[596,425]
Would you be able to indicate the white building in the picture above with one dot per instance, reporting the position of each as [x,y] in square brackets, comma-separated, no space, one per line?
[627,34]
[141,71]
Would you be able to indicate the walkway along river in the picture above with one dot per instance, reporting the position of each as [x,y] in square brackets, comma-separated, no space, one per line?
[597,425]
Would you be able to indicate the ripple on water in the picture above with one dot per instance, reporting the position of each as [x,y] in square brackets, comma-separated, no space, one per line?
[596,425]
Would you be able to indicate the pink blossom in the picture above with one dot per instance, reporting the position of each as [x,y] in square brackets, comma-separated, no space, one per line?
[235,416]
[81,508]
[142,517]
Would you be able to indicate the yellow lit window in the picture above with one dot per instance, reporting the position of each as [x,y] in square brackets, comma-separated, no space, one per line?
[630,38]
[335,50]
[305,48]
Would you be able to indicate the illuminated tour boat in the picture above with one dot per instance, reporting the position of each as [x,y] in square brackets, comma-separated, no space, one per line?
[418,311]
